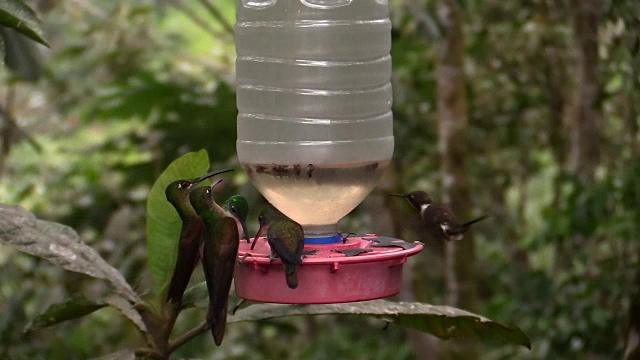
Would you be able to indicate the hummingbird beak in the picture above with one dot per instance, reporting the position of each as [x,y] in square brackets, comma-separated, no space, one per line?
[260,231]
[245,230]
[398,195]
[214,173]
[216,183]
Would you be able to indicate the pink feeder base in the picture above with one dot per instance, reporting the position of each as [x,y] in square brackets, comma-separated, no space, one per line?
[324,277]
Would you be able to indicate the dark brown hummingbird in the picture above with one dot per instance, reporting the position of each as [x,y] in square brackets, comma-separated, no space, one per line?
[438,220]
[286,239]
[219,253]
[189,245]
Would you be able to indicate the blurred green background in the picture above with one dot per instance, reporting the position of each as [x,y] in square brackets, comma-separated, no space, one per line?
[551,92]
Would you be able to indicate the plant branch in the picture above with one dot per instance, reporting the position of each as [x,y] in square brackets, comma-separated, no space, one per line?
[146,352]
[427,25]
[184,338]
[12,125]
[197,19]
[218,15]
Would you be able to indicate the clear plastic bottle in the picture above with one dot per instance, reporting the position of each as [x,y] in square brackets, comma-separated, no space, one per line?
[315,128]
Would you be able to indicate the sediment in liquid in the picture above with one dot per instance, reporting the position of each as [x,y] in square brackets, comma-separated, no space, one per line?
[316,196]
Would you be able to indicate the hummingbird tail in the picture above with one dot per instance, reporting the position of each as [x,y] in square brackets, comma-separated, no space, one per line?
[217,319]
[291,276]
[469,223]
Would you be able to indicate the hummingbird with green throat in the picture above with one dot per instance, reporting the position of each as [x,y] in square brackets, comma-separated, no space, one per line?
[238,206]
[219,253]
[177,194]
[286,239]
[438,220]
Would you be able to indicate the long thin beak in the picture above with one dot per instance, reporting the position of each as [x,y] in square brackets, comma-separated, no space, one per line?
[214,173]
[260,231]
[216,183]
[244,230]
[398,195]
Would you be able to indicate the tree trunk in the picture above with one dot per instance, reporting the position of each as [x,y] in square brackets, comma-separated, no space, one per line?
[586,111]
[555,83]
[460,271]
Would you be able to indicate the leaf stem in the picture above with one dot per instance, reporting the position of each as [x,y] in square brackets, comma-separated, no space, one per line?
[193,16]
[218,15]
[187,336]
[146,352]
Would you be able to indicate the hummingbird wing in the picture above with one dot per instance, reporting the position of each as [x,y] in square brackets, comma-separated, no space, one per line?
[286,239]
[220,251]
[439,221]
[446,225]
[188,249]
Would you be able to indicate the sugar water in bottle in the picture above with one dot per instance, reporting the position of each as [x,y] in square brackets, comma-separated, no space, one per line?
[315,128]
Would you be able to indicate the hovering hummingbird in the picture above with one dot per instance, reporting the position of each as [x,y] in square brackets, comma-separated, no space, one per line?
[238,206]
[286,239]
[219,253]
[439,221]
[188,248]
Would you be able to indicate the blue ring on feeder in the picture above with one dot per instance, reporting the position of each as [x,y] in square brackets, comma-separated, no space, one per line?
[323,240]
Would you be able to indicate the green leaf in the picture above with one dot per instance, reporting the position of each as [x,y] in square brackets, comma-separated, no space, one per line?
[79,306]
[17,15]
[60,245]
[444,322]
[196,296]
[22,56]
[163,222]
[126,309]
[72,308]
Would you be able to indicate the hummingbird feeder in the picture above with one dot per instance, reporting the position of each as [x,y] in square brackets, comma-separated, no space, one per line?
[315,134]
[355,270]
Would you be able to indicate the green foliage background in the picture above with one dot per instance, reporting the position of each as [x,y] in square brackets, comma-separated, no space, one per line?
[125,88]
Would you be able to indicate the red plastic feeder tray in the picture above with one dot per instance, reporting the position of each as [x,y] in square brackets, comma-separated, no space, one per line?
[326,276]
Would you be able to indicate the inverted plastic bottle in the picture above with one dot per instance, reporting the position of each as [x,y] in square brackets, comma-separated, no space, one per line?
[315,128]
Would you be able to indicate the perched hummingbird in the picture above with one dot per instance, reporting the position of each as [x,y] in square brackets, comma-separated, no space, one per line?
[188,248]
[286,239]
[238,206]
[439,221]
[219,253]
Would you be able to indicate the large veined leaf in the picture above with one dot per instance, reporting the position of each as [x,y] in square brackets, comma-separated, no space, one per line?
[78,306]
[127,310]
[60,245]
[17,15]
[72,308]
[163,222]
[22,56]
[444,322]
[196,296]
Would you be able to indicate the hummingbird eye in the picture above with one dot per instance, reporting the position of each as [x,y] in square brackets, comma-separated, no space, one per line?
[183,184]
[208,191]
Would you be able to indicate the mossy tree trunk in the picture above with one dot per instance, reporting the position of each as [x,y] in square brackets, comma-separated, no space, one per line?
[586,112]
[460,256]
